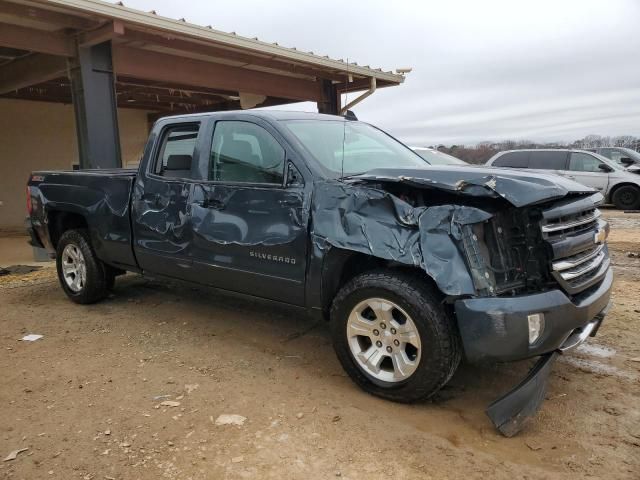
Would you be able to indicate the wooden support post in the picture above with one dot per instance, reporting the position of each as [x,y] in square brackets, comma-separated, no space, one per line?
[330,103]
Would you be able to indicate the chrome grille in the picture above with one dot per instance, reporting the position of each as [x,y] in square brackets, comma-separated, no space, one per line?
[574,265]
[582,267]
[573,229]
[581,221]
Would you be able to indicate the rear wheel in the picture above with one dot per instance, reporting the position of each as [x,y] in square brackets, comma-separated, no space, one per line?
[393,336]
[82,275]
[627,197]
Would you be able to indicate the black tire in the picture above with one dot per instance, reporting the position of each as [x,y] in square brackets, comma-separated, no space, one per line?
[110,280]
[439,338]
[627,197]
[96,285]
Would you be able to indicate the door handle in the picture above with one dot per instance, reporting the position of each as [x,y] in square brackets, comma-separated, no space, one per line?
[207,200]
[149,197]
[210,203]
[152,198]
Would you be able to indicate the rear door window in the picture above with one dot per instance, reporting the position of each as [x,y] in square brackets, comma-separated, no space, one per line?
[548,160]
[176,151]
[512,159]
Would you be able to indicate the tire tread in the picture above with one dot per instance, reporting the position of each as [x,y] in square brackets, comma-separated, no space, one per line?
[97,284]
[422,297]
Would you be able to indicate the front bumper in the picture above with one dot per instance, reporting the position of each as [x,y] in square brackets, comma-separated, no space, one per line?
[496,328]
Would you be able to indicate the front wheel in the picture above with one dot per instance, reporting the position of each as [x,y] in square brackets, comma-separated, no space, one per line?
[82,275]
[627,197]
[393,336]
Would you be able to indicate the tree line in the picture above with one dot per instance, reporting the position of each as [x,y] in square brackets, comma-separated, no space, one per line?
[483,151]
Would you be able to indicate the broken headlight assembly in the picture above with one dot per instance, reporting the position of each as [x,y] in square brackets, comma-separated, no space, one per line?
[506,254]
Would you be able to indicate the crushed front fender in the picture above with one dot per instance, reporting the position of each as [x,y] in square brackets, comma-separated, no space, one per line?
[377,223]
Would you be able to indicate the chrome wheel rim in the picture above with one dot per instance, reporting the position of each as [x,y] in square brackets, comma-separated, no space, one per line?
[74,268]
[383,340]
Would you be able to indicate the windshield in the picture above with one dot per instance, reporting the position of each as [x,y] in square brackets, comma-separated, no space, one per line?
[632,154]
[434,157]
[609,162]
[364,147]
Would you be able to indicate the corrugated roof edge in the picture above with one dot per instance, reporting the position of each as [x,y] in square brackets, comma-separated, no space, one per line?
[153,20]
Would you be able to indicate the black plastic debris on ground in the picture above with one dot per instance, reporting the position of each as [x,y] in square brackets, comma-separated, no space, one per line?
[18,269]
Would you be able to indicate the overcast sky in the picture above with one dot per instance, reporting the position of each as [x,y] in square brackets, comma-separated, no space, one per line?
[482,70]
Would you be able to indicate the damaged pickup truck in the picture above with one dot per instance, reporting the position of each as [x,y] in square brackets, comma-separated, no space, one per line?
[413,265]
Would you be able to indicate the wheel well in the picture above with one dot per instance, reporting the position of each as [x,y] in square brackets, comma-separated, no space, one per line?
[60,222]
[618,186]
[343,265]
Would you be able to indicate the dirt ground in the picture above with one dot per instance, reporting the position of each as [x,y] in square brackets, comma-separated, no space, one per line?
[86,399]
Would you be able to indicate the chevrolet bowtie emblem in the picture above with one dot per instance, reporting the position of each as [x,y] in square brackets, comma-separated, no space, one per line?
[600,236]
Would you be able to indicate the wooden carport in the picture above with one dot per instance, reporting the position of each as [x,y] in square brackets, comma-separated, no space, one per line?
[100,56]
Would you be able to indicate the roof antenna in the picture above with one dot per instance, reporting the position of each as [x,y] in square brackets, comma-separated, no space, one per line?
[344,120]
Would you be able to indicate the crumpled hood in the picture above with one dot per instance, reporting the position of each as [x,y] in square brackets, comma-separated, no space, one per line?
[519,187]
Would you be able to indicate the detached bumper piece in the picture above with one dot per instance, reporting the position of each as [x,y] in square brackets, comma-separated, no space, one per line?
[511,412]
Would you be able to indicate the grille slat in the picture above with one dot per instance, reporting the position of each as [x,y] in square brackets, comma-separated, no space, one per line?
[583,268]
[584,219]
[575,260]
[568,228]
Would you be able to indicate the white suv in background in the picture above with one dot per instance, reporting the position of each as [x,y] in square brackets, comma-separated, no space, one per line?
[618,185]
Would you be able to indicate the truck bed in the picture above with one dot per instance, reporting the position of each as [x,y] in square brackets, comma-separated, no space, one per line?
[97,199]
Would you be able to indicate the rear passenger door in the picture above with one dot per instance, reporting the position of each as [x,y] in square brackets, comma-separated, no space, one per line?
[160,203]
[549,160]
[249,224]
[585,169]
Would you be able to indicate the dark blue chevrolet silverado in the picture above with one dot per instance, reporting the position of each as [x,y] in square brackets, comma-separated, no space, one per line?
[413,265]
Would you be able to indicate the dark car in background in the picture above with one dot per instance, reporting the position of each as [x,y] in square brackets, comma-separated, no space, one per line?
[618,185]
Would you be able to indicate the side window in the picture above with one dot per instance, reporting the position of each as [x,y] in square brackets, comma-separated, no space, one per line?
[583,162]
[545,160]
[176,151]
[245,152]
[512,159]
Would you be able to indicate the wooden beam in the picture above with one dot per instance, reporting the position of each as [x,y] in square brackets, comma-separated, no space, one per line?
[151,98]
[31,70]
[181,45]
[46,17]
[107,32]
[170,68]
[14,36]
[162,87]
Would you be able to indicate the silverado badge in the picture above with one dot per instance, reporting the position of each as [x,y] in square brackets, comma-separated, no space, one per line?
[272,258]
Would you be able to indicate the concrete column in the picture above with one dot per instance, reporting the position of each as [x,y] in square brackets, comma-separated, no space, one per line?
[95,106]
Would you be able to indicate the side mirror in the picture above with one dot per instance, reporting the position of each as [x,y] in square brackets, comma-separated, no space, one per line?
[626,161]
[605,168]
[294,177]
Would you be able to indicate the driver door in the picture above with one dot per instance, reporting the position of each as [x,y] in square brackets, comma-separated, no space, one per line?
[249,224]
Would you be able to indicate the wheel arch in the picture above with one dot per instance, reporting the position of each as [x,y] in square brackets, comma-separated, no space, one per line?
[341,265]
[617,187]
[60,221]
